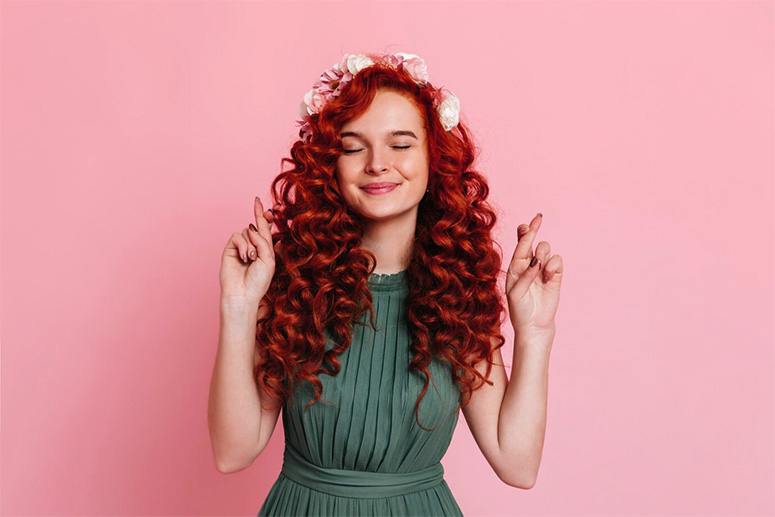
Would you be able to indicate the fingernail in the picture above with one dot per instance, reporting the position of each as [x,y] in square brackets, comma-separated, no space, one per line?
[252,254]
[533,262]
[253,227]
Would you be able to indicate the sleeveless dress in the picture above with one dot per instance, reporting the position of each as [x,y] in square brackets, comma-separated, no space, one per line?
[359,451]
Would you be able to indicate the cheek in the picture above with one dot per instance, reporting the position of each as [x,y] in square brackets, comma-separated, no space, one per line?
[346,173]
[415,167]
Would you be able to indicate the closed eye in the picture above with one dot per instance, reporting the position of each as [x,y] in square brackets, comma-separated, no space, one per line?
[351,151]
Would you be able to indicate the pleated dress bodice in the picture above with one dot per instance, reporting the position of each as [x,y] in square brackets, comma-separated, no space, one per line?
[359,451]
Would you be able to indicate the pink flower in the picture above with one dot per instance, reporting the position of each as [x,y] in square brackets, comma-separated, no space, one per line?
[393,60]
[314,101]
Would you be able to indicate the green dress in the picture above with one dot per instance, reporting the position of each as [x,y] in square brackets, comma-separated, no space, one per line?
[362,453]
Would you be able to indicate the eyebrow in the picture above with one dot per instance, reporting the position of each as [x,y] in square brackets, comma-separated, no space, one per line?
[400,132]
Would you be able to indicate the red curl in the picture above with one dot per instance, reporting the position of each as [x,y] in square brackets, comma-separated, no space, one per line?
[319,289]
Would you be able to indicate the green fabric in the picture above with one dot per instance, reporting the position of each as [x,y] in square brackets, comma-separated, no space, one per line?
[359,450]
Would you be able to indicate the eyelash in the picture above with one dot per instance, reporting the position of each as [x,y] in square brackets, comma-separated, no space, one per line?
[351,151]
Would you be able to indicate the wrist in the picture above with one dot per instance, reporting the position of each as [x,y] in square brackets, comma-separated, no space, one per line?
[238,308]
[534,336]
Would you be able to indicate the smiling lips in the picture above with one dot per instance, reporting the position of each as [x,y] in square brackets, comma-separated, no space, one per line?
[379,188]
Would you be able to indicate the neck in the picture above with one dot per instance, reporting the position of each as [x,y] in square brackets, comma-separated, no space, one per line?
[391,241]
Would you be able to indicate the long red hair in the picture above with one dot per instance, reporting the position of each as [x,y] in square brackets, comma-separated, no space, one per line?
[319,289]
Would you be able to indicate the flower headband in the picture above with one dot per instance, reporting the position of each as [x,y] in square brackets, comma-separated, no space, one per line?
[335,78]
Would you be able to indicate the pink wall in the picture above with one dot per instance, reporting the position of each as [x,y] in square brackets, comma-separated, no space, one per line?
[135,135]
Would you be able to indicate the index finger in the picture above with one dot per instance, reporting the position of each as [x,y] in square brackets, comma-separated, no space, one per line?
[525,243]
[523,250]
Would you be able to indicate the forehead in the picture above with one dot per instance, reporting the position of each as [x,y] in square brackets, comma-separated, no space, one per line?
[389,111]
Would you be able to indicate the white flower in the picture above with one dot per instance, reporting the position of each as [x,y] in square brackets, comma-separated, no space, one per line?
[449,110]
[405,55]
[415,65]
[357,62]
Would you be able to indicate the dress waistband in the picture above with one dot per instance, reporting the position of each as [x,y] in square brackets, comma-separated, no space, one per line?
[357,483]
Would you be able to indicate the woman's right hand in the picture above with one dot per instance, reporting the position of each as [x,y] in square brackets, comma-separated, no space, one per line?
[247,264]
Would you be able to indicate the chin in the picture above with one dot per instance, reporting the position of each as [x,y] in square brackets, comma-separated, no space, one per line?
[380,215]
[384,213]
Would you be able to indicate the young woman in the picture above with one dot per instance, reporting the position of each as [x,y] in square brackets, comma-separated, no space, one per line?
[372,315]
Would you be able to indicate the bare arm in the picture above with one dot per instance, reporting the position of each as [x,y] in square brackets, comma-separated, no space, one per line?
[239,427]
[522,419]
[508,419]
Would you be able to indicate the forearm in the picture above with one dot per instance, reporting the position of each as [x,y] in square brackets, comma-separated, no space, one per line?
[522,419]
[234,408]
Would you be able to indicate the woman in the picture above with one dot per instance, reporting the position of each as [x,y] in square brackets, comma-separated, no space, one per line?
[372,314]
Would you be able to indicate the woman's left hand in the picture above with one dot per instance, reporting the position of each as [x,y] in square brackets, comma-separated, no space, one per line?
[533,293]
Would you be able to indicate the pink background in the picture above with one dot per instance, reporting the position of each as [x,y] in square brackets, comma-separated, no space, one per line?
[135,135]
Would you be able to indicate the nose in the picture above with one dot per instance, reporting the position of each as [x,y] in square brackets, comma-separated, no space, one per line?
[377,163]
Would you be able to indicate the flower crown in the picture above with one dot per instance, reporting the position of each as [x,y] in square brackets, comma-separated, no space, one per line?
[335,78]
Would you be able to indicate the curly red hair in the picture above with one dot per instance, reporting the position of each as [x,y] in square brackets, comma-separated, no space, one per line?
[319,289]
